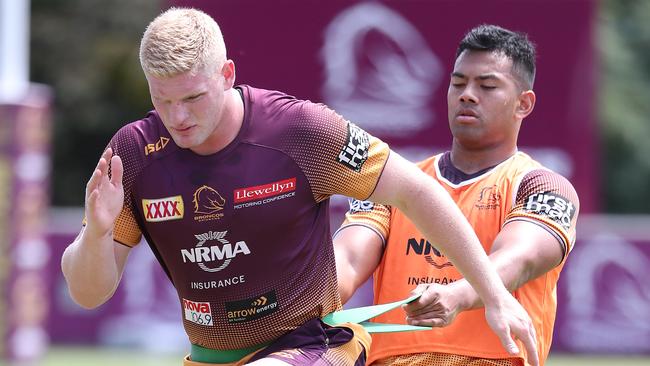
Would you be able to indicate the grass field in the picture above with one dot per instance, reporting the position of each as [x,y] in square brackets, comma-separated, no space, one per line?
[128,357]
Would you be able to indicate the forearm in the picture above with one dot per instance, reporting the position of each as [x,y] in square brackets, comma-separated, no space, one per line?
[513,277]
[90,269]
[521,253]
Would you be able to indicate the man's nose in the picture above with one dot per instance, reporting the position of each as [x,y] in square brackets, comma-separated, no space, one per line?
[468,95]
[178,113]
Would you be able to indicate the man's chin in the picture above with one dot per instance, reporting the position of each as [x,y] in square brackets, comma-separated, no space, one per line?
[470,140]
[467,134]
[183,142]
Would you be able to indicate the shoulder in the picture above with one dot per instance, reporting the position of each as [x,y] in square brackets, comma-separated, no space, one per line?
[532,174]
[545,180]
[429,164]
[275,103]
[141,141]
[519,164]
[545,192]
[277,115]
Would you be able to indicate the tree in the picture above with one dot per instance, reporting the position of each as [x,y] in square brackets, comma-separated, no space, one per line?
[87,51]
[624,104]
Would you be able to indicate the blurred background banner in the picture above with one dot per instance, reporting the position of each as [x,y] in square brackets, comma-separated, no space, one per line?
[24,203]
[385,65]
[604,293]
[143,313]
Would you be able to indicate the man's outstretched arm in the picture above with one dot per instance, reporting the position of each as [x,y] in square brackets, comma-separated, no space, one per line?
[436,215]
[521,252]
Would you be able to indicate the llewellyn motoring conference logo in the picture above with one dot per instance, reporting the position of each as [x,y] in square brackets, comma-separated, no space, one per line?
[265,193]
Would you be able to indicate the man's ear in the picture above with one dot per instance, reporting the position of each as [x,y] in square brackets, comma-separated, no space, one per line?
[526,104]
[228,72]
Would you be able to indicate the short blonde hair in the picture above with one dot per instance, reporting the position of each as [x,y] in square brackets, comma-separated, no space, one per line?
[181,40]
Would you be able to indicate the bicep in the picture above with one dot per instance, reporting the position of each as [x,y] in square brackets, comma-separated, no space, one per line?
[529,244]
[358,247]
[397,182]
[547,199]
[405,186]
[358,251]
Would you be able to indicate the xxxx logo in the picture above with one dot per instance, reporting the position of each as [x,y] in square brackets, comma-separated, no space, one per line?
[163,209]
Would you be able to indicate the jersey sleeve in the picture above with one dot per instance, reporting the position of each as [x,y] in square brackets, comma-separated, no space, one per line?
[549,200]
[336,156]
[126,229]
[374,216]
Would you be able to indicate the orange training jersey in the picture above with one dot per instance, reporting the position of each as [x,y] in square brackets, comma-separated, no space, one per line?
[517,189]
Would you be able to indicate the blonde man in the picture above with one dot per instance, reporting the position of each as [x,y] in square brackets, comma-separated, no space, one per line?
[250,256]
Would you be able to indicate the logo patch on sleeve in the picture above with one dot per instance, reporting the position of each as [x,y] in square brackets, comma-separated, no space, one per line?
[553,206]
[360,206]
[198,312]
[251,309]
[355,151]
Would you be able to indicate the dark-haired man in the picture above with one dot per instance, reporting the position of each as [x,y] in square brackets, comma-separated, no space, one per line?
[524,214]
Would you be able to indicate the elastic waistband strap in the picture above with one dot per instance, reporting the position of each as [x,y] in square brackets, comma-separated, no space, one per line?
[362,314]
[356,315]
[207,355]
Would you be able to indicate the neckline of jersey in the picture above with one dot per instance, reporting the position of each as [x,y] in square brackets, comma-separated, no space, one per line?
[472,178]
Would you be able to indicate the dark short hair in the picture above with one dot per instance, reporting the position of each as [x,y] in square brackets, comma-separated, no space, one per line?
[514,45]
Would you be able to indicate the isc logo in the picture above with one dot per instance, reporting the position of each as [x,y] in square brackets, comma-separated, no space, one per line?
[163,209]
[159,145]
[198,312]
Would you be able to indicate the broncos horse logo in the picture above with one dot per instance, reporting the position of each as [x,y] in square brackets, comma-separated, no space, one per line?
[489,198]
[489,195]
[207,201]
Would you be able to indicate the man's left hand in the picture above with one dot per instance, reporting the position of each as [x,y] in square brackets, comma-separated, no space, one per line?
[437,307]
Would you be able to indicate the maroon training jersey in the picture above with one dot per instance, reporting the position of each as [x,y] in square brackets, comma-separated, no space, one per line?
[244,233]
